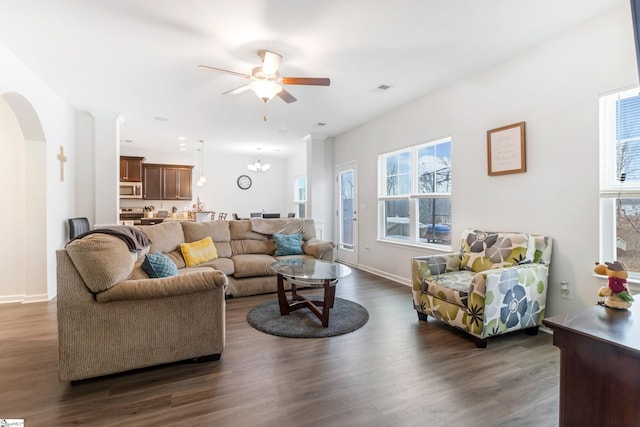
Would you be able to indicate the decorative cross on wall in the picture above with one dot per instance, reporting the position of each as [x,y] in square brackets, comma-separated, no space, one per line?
[62,159]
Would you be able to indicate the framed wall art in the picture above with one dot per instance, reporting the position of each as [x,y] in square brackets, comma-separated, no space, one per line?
[506,150]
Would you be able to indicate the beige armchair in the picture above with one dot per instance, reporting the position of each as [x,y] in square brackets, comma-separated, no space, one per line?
[109,322]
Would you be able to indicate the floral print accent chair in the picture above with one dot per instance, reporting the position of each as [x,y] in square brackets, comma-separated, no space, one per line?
[496,284]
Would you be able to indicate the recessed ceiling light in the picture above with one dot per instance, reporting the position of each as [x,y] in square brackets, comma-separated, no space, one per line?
[182,138]
[161,119]
[182,144]
[183,149]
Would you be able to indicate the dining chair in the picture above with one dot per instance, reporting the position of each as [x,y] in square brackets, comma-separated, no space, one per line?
[78,226]
[291,215]
[271,215]
[256,214]
[222,215]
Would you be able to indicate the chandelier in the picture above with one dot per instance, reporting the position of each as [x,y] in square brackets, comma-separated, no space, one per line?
[258,166]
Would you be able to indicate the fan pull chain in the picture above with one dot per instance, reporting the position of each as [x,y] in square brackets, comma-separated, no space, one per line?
[264,113]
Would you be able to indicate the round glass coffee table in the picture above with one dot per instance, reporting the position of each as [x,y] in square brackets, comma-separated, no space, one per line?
[313,273]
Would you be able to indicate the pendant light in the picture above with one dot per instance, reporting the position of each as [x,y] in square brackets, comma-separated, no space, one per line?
[203,179]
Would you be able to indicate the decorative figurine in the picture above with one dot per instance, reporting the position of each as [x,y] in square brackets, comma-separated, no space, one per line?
[616,292]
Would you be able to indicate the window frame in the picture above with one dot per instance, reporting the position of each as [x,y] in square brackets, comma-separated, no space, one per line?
[612,189]
[413,196]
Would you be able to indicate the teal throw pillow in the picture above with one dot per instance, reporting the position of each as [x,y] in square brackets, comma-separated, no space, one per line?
[288,244]
[157,265]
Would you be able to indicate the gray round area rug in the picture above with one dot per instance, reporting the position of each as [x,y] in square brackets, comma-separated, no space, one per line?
[345,316]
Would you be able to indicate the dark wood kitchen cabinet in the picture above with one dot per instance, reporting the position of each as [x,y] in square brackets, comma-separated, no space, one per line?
[131,169]
[151,182]
[166,182]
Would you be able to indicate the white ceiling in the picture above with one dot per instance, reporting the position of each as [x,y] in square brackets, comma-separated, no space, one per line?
[139,58]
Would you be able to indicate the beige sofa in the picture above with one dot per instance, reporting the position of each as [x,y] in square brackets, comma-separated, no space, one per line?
[245,248]
[112,317]
[111,322]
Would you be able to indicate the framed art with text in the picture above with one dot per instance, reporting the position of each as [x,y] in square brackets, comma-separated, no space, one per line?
[506,150]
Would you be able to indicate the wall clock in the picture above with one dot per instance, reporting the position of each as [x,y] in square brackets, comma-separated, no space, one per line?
[244,182]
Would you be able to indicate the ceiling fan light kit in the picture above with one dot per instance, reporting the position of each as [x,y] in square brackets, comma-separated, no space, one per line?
[265,80]
[265,89]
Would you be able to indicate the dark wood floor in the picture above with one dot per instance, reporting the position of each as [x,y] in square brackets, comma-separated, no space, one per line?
[394,371]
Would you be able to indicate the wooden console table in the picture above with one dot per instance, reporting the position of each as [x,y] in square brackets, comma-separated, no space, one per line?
[599,366]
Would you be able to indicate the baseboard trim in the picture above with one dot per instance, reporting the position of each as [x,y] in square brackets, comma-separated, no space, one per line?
[386,275]
[25,299]
[8,299]
[36,298]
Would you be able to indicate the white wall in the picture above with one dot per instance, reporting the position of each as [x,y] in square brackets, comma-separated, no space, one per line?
[12,165]
[296,166]
[320,179]
[106,166]
[270,191]
[85,150]
[51,123]
[554,88]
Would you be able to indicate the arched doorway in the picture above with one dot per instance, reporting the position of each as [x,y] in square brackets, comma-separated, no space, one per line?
[23,257]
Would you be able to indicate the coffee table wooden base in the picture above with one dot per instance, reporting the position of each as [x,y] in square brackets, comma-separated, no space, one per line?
[297,301]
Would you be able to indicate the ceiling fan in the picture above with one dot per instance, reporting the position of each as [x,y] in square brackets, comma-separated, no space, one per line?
[265,80]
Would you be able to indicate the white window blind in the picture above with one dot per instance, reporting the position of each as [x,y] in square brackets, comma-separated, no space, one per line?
[620,144]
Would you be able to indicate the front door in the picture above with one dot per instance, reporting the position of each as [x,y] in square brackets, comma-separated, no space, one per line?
[347,214]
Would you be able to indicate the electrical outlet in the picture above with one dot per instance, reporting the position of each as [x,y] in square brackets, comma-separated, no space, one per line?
[565,291]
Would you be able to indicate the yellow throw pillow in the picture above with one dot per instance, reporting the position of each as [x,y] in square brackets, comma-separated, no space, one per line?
[195,253]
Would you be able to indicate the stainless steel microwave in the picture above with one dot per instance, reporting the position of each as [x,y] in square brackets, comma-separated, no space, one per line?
[131,190]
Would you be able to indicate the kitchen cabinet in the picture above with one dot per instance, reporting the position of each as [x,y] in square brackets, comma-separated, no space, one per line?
[131,169]
[151,182]
[166,182]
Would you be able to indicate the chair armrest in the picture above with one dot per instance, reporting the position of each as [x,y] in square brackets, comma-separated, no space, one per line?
[432,265]
[513,297]
[319,249]
[182,284]
[524,275]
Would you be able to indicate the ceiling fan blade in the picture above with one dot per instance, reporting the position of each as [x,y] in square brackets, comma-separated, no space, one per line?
[206,67]
[270,62]
[286,96]
[311,81]
[237,90]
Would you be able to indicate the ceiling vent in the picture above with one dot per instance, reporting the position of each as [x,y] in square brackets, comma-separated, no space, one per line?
[382,88]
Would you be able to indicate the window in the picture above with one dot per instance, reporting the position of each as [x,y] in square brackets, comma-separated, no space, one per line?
[415,194]
[300,196]
[620,179]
